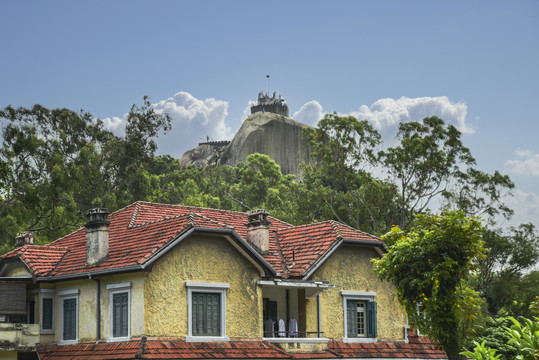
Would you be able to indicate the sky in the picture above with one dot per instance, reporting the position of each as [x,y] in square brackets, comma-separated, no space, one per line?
[475,64]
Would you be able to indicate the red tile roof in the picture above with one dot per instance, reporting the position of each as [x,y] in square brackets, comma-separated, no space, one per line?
[138,232]
[416,348]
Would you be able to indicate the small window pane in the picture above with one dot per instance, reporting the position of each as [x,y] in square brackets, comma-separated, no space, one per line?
[47,314]
[360,319]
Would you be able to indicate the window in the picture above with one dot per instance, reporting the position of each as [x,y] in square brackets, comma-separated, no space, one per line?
[206,304]
[47,311]
[120,311]
[359,316]
[69,300]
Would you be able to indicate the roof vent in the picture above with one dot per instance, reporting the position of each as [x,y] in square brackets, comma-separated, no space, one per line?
[25,238]
[258,229]
[97,235]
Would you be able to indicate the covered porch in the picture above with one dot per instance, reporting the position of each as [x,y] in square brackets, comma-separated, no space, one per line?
[285,313]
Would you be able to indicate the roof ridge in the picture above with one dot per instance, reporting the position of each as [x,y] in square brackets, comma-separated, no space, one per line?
[58,262]
[354,229]
[159,220]
[134,215]
[213,220]
[336,229]
[192,207]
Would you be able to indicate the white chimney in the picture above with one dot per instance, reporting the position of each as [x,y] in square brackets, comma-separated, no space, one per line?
[25,238]
[97,235]
[258,229]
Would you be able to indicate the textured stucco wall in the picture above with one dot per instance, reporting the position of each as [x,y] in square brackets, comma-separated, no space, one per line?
[203,259]
[391,316]
[15,270]
[87,306]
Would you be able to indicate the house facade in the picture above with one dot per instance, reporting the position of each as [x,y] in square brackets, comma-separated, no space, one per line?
[169,282]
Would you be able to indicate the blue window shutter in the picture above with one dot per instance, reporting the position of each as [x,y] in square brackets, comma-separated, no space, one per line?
[372,330]
[351,318]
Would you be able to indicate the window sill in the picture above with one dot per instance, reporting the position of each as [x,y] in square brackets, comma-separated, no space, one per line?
[117,339]
[207,338]
[47,332]
[360,340]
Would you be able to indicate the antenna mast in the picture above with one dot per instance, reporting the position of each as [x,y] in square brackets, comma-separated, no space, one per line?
[267,85]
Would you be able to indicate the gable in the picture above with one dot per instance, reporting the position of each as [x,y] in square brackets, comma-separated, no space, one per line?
[15,269]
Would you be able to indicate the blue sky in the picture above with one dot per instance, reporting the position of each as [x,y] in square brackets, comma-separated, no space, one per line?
[473,63]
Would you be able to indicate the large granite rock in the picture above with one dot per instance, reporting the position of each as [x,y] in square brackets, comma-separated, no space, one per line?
[275,135]
[272,134]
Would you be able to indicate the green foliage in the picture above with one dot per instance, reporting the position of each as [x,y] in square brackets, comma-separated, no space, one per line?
[506,277]
[429,156]
[61,163]
[429,265]
[343,148]
[482,352]
[494,336]
[525,339]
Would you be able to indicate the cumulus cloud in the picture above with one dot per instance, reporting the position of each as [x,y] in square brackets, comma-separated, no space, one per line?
[193,121]
[526,206]
[247,111]
[528,165]
[385,114]
[310,113]
[114,123]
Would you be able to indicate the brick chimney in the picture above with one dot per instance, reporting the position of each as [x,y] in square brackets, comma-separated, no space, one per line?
[97,235]
[258,229]
[24,238]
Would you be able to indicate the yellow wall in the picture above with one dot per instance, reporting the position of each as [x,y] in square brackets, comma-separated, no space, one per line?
[15,270]
[391,318]
[87,306]
[203,259]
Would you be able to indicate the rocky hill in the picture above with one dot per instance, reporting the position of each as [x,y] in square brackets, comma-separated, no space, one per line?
[271,133]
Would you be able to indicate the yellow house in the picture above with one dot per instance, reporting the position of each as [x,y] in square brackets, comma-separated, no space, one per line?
[167,281]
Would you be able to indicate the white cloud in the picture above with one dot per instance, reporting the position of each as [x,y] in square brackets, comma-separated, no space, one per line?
[526,206]
[310,113]
[247,111]
[385,114]
[193,120]
[114,124]
[528,166]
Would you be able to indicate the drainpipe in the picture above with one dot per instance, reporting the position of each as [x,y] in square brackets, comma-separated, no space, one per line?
[319,315]
[97,309]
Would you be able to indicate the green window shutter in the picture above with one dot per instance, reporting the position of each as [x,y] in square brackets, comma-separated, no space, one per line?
[120,313]
[206,314]
[70,319]
[372,330]
[351,318]
[47,314]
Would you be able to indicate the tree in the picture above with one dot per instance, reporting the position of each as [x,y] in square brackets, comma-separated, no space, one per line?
[343,148]
[506,277]
[430,155]
[429,265]
[61,162]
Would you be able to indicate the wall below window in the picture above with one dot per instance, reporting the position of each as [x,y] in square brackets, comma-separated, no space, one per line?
[203,259]
[349,269]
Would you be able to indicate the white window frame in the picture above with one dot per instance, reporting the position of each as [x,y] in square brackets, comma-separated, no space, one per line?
[46,294]
[213,288]
[357,296]
[66,295]
[118,289]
